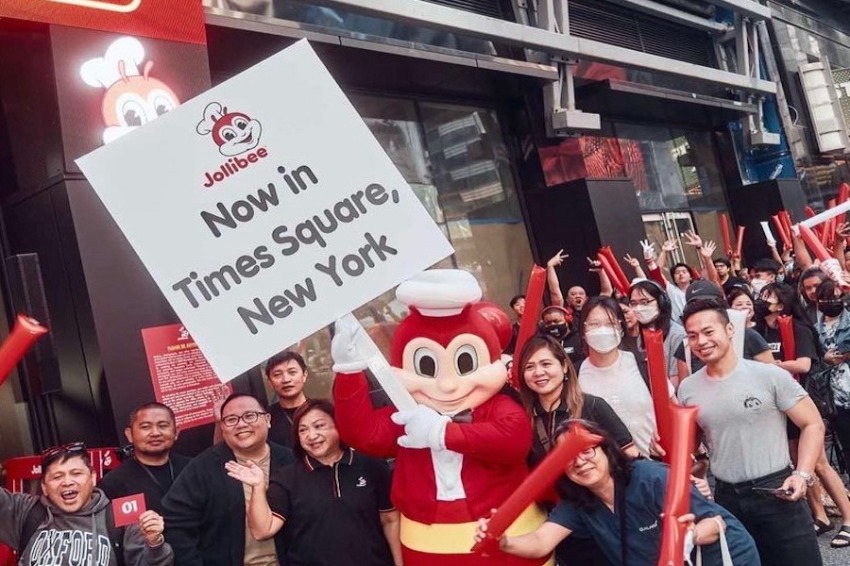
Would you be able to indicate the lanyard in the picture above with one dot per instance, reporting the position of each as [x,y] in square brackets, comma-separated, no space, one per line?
[153,478]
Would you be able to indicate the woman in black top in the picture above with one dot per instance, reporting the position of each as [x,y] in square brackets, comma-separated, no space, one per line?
[551,395]
[775,300]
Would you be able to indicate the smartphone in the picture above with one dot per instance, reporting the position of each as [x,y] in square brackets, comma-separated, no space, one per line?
[774,490]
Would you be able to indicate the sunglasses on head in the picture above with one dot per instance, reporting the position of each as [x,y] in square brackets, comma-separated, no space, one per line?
[54,453]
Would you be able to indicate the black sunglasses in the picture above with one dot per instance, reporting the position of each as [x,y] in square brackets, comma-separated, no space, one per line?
[65,450]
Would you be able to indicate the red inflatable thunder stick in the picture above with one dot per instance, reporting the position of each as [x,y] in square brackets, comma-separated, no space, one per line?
[724,232]
[780,229]
[620,275]
[24,334]
[660,388]
[573,442]
[528,324]
[786,336]
[611,272]
[828,264]
[677,500]
[740,240]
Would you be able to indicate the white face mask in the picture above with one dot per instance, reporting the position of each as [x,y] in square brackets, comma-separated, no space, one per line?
[758,285]
[645,313]
[603,340]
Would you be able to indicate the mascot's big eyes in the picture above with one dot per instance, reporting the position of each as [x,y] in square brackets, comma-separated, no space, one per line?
[466,359]
[425,362]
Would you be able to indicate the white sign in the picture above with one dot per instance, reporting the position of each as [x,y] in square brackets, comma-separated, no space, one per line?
[264,209]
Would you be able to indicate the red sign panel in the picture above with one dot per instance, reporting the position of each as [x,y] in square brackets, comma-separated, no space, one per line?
[175,20]
[182,376]
[127,510]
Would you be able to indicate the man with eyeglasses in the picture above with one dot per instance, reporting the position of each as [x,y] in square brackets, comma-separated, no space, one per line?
[72,522]
[205,508]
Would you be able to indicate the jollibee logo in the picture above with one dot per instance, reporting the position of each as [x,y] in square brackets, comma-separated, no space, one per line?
[236,134]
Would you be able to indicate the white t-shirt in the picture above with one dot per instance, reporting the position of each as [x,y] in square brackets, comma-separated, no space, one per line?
[622,386]
[677,301]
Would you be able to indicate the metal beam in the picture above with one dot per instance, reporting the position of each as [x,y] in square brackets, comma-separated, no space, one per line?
[676,15]
[748,8]
[434,16]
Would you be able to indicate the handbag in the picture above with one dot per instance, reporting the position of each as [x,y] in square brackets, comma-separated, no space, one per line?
[725,555]
[819,387]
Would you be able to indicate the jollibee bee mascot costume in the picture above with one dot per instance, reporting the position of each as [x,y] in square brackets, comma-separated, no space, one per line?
[463,450]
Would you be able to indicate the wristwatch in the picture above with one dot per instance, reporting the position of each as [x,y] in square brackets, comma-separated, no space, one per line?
[810,479]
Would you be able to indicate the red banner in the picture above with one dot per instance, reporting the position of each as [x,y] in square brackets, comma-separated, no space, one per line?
[174,20]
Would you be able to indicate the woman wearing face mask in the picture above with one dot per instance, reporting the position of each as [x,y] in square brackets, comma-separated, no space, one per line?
[614,374]
[632,328]
[551,395]
[652,308]
[778,299]
[833,328]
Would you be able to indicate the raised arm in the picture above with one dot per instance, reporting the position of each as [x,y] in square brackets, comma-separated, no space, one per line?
[605,287]
[668,247]
[801,253]
[552,282]
[262,523]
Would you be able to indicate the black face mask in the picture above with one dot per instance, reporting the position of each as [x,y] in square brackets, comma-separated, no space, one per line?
[831,309]
[558,330]
[761,308]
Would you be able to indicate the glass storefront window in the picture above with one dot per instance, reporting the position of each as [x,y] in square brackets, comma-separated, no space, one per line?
[455,160]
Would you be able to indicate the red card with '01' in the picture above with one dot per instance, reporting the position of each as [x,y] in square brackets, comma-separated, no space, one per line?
[127,510]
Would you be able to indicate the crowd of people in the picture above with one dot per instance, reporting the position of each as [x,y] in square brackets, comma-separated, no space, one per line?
[279,486]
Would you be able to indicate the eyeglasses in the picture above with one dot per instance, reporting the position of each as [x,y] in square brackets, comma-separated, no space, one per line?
[641,303]
[249,417]
[55,452]
[586,455]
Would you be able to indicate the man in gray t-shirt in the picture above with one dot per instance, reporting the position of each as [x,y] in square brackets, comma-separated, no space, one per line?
[743,407]
[743,416]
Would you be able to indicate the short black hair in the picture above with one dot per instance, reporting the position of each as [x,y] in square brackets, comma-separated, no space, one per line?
[766,265]
[282,358]
[724,260]
[150,405]
[62,454]
[678,265]
[234,396]
[515,299]
[701,304]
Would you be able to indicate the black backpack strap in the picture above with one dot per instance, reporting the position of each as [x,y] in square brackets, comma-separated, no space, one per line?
[35,517]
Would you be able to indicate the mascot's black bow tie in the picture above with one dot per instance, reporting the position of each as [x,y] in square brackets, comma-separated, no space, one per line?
[464,416]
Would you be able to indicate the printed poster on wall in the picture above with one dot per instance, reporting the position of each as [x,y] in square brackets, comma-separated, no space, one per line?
[182,377]
[264,209]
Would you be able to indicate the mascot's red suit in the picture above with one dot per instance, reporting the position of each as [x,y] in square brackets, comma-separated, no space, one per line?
[462,451]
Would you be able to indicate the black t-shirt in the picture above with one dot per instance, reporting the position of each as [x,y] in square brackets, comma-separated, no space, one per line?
[804,342]
[331,513]
[133,477]
[733,282]
[509,350]
[594,409]
[281,429]
[572,346]
[754,345]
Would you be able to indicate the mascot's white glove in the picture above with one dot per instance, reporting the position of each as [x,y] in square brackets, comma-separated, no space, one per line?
[347,358]
[423,428]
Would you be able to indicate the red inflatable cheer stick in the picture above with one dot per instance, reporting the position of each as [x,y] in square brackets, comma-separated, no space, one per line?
[660,387]
[783,235]
[528,324]
[828,264]
[677,500]
[843,193]
[24,334]
[740,240]
[573,442]
[786,336]
[724,232]
[615,265]
[619,286]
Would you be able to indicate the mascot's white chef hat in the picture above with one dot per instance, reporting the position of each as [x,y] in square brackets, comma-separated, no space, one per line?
[440,292]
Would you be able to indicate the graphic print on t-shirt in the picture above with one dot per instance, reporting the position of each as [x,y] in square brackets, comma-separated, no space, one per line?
[71,547]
